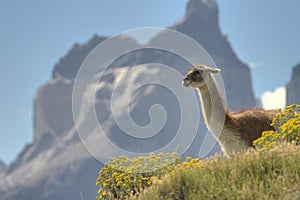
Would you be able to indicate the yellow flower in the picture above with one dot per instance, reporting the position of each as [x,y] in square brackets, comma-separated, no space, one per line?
[188,158]
[161,154]
[115,174]
[119,183]
[105,185]
[152,154]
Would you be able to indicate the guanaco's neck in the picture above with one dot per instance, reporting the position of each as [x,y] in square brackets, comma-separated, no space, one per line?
[213,108]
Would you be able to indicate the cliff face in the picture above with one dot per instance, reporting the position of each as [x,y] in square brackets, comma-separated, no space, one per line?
[52,107]
[53,111]
[57,165]
[293,87]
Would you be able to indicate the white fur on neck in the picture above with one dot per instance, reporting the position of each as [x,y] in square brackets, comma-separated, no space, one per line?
[214,113]
[213,108]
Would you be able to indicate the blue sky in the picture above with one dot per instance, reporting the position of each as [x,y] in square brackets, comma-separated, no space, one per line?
[36,34]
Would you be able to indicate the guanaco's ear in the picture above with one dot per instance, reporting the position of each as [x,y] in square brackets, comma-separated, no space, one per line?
[214,70]
[208,69]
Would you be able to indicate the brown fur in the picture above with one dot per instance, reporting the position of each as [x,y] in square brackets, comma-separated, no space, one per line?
[251,123]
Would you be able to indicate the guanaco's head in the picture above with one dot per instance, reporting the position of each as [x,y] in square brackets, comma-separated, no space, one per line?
[197,75]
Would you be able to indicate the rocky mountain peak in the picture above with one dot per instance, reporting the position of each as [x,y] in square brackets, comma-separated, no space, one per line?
[203,8]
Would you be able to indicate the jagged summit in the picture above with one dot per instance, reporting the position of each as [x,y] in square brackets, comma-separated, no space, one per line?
[203,13]
[68,65]
[203,8]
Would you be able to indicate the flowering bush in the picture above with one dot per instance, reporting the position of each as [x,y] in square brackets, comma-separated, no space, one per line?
[122,177]
[287,129]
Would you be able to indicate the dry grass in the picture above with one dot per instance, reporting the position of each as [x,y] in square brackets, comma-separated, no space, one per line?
[272,174]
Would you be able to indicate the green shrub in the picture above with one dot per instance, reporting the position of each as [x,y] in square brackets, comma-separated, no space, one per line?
[287,129]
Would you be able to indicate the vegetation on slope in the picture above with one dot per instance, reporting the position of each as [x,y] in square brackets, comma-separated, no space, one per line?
[273,172]
[270,173]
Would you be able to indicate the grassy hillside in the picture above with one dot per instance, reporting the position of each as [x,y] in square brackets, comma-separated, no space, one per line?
[271,174]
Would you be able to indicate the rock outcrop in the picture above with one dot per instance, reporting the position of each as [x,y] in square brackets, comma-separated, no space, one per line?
[293,87]
[2,165]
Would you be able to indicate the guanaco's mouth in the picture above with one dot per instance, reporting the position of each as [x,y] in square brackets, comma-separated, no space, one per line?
[186,82]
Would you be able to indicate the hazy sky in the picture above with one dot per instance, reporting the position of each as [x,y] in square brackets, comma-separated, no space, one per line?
[34,35]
